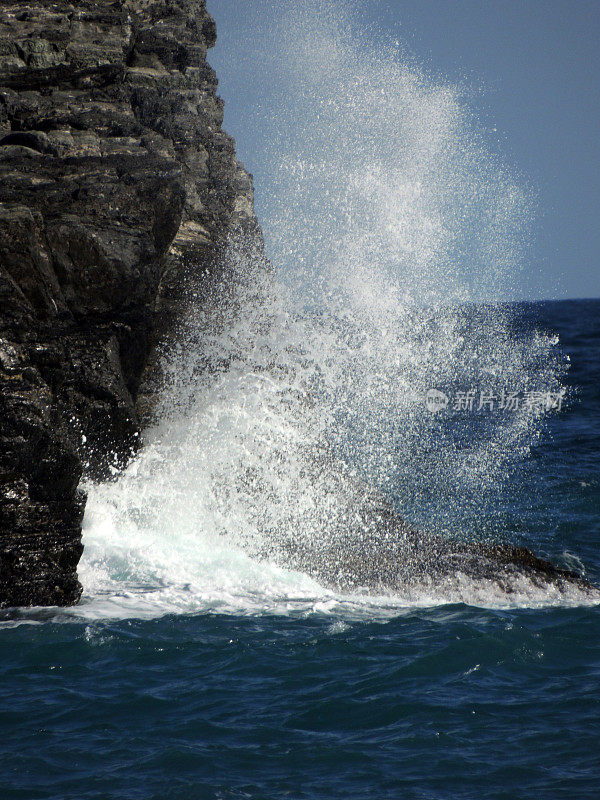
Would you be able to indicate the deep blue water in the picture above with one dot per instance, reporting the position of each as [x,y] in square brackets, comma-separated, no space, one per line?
[447,702]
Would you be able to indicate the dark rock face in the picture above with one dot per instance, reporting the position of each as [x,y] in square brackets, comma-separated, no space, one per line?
[116,182]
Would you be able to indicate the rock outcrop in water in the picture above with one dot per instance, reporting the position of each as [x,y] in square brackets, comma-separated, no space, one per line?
[390,557]
[370,548]
[118,191]
[115,179]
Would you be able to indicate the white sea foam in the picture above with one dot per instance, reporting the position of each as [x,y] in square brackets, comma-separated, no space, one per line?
[392,218]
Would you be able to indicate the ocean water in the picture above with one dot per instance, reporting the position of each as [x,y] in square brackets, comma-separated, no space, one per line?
[201,661]
[274,688]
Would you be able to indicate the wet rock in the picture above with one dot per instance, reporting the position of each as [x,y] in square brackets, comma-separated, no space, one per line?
[117,186]
[375,551]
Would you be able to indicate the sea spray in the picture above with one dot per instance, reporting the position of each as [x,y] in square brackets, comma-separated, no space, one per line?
[392,218]
[292,398]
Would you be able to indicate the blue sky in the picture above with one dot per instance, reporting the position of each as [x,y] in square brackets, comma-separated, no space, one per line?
[529,70]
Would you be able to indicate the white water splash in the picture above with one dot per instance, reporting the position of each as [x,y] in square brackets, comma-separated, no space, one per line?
[392,222]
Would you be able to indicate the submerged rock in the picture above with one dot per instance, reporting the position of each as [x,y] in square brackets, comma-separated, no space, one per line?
[354,540]
[379,553]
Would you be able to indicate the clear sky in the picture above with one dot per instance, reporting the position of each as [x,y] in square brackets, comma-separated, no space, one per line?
[531,70]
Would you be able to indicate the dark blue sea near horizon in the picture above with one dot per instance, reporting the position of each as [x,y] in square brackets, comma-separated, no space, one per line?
[425,702]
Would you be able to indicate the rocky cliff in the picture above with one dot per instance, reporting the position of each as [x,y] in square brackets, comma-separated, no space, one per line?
[116,183]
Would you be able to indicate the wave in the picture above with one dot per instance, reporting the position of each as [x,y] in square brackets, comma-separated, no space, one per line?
[395,235]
